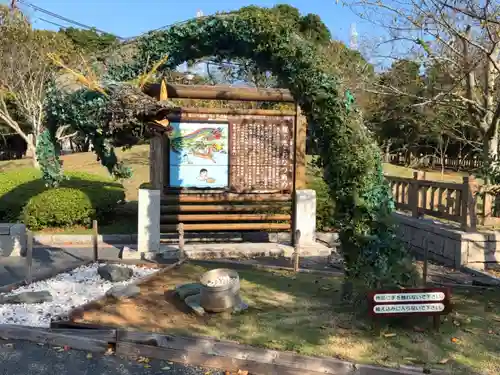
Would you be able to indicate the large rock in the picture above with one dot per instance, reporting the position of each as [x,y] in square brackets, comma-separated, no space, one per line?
[123,291]
[115,273]
[27,297]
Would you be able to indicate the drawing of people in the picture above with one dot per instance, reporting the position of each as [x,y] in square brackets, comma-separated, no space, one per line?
[203,175]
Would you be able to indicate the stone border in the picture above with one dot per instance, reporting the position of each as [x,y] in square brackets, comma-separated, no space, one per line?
[495,281]
[328,238]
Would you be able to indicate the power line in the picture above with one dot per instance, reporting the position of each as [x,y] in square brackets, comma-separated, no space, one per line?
[65,19]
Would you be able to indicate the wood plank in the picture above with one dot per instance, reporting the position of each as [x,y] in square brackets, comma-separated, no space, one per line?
[300,157]
[235,112]
[222,208]
[75,340]
[193,358]
[108,335]
[173,197]
[227,226]
[225,217]
[221,93]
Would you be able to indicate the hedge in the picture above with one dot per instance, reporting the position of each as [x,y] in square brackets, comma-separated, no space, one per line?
[77,201]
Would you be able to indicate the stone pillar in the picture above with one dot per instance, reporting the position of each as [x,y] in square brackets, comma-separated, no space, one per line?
[148,230]
[305,216]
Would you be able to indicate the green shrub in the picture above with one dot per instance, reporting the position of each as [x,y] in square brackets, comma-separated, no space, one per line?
[79,200]
[59,207]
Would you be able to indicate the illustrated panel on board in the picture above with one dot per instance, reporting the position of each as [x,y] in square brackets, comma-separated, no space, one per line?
[199,156]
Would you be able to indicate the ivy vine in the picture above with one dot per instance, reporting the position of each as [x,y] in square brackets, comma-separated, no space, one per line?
[349,156]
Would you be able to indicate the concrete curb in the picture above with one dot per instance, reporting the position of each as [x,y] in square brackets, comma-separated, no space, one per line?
[329,239]
[492,281]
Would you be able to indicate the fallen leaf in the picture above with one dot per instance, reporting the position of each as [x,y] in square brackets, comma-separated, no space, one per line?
[491,332]
[389,334]
[456,323]
[444,361]
[89,356]
[454,340]
[147,366]
[242,372]
[66,348]
[207,373]
[60,350]
[418,329]
[227,373]
[165,368]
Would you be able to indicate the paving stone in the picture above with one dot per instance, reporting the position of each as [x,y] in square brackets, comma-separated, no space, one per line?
[193,303]
[186,290]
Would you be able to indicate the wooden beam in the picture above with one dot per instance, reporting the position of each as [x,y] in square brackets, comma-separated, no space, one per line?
[78,339]
[225,217]
[174,197]
[234,112]
[195,358]
[223,208]
[166,228]
[300,150]
[221,93]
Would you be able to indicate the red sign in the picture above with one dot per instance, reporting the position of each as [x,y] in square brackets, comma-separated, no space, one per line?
[416,301]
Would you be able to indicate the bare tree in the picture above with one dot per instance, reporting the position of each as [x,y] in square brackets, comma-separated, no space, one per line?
[462,38]
[25,71]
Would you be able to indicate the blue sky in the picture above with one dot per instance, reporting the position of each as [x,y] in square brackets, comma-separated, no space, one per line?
[128,18]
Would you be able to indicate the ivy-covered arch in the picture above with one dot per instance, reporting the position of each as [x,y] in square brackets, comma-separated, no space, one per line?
[350,158]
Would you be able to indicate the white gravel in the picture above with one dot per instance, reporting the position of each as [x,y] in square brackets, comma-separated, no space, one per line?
[69,290]
[221,280]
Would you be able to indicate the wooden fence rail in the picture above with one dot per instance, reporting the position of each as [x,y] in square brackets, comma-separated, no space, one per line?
[460,203]
[431,161]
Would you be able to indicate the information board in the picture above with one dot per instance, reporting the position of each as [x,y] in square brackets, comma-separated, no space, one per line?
[261,155]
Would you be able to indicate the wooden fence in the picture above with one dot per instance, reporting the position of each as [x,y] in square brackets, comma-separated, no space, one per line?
[431,161]
[457,202]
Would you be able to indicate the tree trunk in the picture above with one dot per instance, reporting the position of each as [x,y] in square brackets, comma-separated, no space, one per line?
[490,152]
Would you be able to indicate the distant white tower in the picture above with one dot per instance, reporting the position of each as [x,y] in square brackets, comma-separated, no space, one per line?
[199,13]
[354,37]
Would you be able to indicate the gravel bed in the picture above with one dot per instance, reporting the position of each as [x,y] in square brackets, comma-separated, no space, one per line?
[68,290]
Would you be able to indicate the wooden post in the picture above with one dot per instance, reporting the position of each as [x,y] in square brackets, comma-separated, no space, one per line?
[180,230]
[29,256]
[467,204]
[95,240]
[296,253]
[300,156]
[415,198]
[487,208]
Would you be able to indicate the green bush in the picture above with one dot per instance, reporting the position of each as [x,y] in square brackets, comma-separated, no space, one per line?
[77,201]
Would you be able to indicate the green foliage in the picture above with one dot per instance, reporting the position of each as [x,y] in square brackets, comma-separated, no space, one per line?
[89,41]
[24,196]
[47,153]
[59,208]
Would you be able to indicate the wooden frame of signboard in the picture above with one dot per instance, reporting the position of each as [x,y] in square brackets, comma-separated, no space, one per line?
[241,208]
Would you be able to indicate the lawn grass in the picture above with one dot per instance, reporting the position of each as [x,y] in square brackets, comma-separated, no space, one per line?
[302,313]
